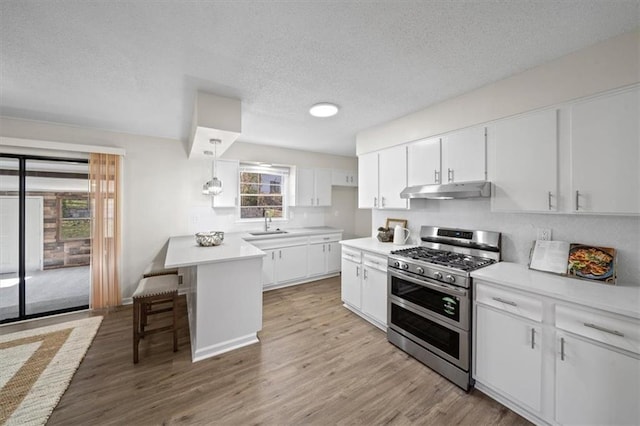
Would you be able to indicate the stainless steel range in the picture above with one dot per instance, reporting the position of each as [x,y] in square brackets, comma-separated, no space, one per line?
[429,289]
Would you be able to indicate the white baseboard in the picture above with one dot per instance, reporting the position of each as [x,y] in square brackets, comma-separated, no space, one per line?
[220,348]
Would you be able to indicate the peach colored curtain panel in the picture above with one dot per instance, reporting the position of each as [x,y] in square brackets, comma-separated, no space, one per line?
[104,176]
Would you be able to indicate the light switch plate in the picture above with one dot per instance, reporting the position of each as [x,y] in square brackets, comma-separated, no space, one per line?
[543,234]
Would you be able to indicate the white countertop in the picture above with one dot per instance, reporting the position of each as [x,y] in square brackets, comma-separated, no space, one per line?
[373,245]
[621,299]
[184,251]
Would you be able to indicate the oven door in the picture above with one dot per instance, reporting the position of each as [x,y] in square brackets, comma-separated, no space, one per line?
[447,303]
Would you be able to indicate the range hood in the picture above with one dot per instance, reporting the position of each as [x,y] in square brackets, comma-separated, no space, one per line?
[449,191]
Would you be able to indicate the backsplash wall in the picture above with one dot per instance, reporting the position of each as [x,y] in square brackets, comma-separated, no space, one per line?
[519,229]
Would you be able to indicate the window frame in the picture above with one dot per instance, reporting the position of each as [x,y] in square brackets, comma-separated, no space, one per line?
[283,171]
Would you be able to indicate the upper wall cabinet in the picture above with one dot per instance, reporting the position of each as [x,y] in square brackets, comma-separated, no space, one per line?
[464,155]
[605,154]
[523,162]
[382,176]
[227,172]
[423,162]
[313,187]
[344,178]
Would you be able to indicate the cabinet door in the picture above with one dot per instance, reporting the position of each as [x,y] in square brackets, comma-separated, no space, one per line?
[595,385]
[291,263]
[464,155]
[268,270]
[605,154]
[374,294]
[305,182]
[317,259]
[333,257]
[523,162]
[351,290]
[227,171]
[322,187]
[423,166]
[505,358]
[393,177]
[368,181]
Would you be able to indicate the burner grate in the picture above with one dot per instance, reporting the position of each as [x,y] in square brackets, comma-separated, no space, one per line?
[451,259]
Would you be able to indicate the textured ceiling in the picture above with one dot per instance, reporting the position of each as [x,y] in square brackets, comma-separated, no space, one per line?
[135,66]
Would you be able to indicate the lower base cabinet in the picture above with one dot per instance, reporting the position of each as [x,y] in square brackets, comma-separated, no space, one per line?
[364,285]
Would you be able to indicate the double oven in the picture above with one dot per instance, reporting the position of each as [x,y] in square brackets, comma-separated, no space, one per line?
[429,297]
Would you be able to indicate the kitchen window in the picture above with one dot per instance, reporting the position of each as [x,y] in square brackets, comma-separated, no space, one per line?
[263,189]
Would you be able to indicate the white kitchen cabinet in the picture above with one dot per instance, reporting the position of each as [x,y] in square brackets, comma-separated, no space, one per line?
[283,265]
[464,155]
[228,172]
[344,178]
[382,176]
[368,180]
[605,154]
[374,288]
[351,285]
[269,268]
[423,162]
[588,375]
[324,254]
[523,162]
[508,355]
[313,187]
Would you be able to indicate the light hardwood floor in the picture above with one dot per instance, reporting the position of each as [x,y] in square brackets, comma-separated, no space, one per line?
[316,363]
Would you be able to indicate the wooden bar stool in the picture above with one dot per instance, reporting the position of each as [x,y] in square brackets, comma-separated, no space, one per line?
[152,291]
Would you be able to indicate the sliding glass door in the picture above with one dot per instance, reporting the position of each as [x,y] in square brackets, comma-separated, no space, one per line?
[45,236]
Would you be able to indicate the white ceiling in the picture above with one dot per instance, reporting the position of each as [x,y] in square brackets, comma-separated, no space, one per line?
[135,66]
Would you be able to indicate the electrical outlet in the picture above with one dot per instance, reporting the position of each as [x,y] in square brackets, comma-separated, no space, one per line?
[543,234]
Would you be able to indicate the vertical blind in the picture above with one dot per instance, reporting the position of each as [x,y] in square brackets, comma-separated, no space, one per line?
[104,177]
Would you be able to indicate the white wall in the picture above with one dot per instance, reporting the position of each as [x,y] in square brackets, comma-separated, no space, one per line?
[601,67]
[161,190]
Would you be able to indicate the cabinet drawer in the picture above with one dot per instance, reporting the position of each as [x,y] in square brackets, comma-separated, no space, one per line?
[515,303]
[280,242]
[326,238]
[375,262]
[600,326]
[351,254]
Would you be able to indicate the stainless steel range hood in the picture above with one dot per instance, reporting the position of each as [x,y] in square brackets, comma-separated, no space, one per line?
[448,191]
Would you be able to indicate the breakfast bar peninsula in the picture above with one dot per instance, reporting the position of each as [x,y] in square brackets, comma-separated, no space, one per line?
[224,296]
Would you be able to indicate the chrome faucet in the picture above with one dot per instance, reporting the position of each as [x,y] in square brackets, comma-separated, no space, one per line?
[267,215]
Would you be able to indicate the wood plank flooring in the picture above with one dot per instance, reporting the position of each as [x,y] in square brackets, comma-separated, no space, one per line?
[316,363]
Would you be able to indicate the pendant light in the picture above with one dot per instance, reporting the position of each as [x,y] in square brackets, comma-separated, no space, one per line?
[214,186]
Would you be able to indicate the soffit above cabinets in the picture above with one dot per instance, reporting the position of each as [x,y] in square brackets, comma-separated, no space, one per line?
[214,117]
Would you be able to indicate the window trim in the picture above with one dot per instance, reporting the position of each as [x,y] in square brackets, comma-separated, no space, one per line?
[283,171]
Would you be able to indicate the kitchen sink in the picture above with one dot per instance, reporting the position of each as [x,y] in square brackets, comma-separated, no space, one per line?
[267,232]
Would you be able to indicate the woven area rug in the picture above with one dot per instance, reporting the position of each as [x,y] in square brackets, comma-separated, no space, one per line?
[36,367]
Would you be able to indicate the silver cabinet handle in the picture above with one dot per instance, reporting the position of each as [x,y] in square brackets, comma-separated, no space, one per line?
[606,330]
[365,273]
[346,179]
[317,201]
[311,201]
[506,302]
[549,199]
[375,201]
[329,245]
[326,238]
[449,175]
[273,254]
[351,179]
[323,248]
[533,338]
[562,349]
[280,251]
[577,200]
[382,201]
[357,271]
[435,176]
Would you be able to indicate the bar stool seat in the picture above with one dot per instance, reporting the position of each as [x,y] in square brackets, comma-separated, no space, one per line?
[152,291]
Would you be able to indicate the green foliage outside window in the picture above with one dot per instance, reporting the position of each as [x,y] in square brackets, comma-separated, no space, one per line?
[75,219]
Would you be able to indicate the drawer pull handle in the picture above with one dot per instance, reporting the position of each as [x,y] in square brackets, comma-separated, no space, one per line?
[562,349]
[606,330]
[533,338]
[506,302]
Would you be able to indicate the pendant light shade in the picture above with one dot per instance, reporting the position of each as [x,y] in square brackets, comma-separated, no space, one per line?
[214,186]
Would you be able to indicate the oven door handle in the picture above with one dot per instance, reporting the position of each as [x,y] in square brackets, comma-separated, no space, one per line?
[428,283]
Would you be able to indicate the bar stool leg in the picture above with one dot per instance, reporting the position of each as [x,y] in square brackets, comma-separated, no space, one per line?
[175,322]
[136,325]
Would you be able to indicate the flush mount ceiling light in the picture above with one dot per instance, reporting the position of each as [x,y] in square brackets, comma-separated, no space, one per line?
[323,109]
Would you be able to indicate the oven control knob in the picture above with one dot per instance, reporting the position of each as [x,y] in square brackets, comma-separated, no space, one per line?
[396,264]
[450,278]
[420,270]
[404,266]
[437,275]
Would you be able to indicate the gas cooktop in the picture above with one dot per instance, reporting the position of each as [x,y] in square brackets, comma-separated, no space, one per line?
[463,262]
